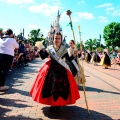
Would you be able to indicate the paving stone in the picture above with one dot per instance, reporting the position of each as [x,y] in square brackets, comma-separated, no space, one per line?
[102,91]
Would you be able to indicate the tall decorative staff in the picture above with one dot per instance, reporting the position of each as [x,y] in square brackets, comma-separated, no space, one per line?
[83,77]
[80,37]
[69,13]
[82,69]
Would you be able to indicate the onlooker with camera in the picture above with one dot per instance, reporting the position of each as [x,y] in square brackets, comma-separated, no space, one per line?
[7,46]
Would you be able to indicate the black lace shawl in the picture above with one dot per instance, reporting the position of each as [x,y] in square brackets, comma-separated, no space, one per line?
[56,83]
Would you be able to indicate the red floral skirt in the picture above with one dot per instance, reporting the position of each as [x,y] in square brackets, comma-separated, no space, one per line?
[38,86]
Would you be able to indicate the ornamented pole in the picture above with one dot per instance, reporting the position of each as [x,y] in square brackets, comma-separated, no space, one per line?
[81,68]
[69,13]
[80,37]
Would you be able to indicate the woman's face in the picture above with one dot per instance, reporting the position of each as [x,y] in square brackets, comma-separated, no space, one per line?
[71,44]
[57,40]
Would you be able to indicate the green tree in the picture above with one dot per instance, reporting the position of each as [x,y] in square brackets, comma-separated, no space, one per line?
[111,35]
[91,44]
[102,46]
[35,35]
[80,46]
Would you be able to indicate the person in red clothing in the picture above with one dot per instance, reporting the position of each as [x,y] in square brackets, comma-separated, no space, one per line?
[55,84]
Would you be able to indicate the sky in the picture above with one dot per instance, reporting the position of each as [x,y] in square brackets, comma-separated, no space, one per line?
[91,15]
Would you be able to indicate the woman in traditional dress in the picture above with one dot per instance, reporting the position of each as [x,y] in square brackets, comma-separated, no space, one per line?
[87,56]
[96,57]
[55,84]
[73,51]
[105,61]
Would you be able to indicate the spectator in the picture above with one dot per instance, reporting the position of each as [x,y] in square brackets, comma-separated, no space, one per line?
[1,32]
[22,50]
[116,60]
[82,56]
[36,52]
[7,46]
[101,54]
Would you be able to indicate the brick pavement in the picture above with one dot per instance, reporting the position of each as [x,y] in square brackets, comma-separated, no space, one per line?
[103,98]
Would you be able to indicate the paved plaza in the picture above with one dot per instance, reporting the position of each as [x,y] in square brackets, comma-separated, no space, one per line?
[102,91]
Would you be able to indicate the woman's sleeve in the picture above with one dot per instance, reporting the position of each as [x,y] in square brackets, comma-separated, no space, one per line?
[70,64]
[67,57]
[43,54]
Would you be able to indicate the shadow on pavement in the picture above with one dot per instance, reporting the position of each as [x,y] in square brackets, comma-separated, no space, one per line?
[74,113]
[16,104]
[4,115]
[13,103]
[112,69]
[97,90]
[18,117]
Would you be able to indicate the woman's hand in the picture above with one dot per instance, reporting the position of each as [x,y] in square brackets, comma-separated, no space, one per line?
[75,51]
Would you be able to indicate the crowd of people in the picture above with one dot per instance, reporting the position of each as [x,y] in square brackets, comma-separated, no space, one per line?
[56,83]
[103,58]
[13,53]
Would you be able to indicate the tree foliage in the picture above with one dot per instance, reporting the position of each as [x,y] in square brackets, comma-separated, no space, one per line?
[91,44]
[35,35]
[111,35]
[80,45]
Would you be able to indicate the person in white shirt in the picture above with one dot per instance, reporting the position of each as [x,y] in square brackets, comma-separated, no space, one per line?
[7,47]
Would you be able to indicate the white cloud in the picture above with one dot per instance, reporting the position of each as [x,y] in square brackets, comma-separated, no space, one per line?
[85,15]
[104,5]
[102,19]
[113,11]
[76,17]
[53,1]
[116,12]
[64,16]
[109,9]
[18,1]
[44,8]
[56,2]
[82,1]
